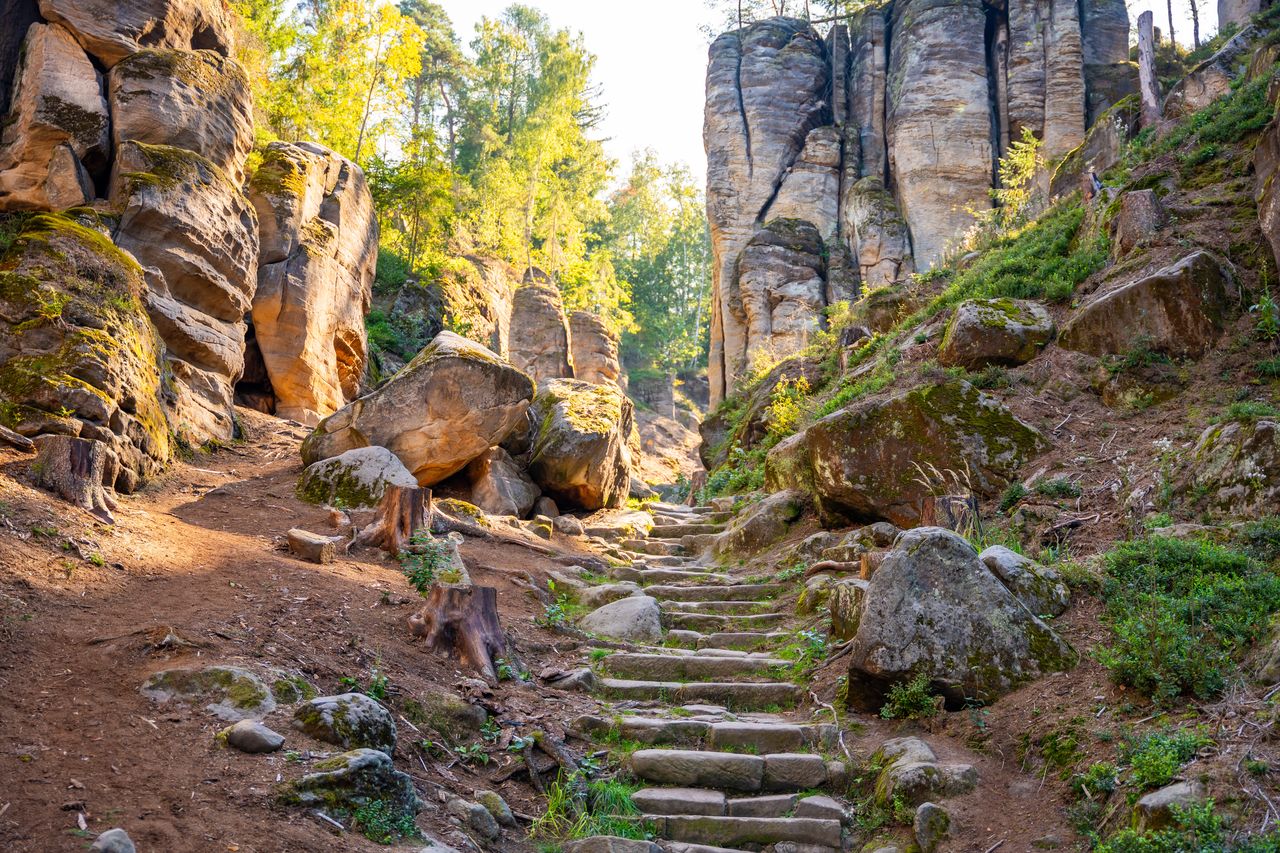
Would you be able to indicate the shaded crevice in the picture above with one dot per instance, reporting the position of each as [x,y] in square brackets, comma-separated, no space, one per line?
[991,45]
[742,109]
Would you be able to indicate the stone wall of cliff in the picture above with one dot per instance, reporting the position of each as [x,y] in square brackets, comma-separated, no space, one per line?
[842,163]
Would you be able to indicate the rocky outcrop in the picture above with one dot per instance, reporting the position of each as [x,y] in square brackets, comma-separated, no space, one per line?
[1266,162]
[780,289]
[1044,78]
[810,191]
[878,234]
[595,350]
[1237,12]
[582,454]
[860,462]
[933,607]
[1212,78]
[995,331]
[1179,311]
[56,137]
[319,250]
[1236,466]
[1140,216]
[449,405]
[111,30]
[539,343]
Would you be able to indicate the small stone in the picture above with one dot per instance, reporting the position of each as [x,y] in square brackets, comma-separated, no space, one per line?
[253,737]
[930,826]
[822,807]
[475,816]
[1155,810]
[113,841]
[497,807]
[611,844]
[568,525]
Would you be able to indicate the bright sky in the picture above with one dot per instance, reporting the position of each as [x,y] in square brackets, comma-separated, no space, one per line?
[652,61]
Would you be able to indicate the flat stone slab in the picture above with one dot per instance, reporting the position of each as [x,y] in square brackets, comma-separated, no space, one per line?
[794,771]
[740,695]
[773,805]
[764,737]
[689,768]
[656,547]
[715,622]
[693,801]
[748,830]
[688,667]
[738,591]
[675,531]
[732,608]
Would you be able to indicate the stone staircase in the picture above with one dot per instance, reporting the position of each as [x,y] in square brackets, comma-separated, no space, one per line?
[726,770]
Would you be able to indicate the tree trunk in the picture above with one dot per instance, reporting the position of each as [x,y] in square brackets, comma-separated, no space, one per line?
[73,468]
[401,514]
[1147,82]
[314,547]
[462,621]
[1173,40]
[1195,23]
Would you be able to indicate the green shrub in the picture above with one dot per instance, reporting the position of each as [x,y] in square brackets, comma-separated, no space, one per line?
[1269,368]
[426,559]
[1058,487]
[911,700]
[1249,410]
[1101,777]
[1181,613]
[383,823]
[1197,829]
[1226,120]
[1261,539]
[1156,757]
[1012,495]
[392,272]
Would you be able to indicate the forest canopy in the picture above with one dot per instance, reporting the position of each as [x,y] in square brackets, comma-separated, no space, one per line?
[489,146]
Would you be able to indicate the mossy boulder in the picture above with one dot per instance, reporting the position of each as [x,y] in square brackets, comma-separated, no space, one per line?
[934,607]
[762,524]
[1179,311]
[845,602]
[983,332]
[1236,467]
[348,720]
[861,462]
[745,421]
[446,713]
[229,692]
[357,478]
[1038,587]
[343,784]
[581,453]
[453,402]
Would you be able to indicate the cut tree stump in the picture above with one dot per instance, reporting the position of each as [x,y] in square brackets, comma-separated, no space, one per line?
[462,620]
[73,469]
[401,513]
[316,548]
[869,562]
[954,512]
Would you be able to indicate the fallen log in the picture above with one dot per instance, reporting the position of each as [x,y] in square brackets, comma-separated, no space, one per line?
[315,548]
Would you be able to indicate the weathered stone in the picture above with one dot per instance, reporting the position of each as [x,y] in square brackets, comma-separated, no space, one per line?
[1140,216]
[811,189]
[858,462]
[231,693]
[1266,163]
[753,421]
[1155,811]
[475,817]
[357,478]
[679,801]
[780,289]
[540,336]
[724,770]
[966,631]
[611,844]
[1238,12]
[913,775]
[868,70]
[938,96]
[253,737]
[845,603]
[319,249]
[1045,77]
[930,826]
[1102,147]
[822,807]
[598,596]
[1038,587]
[595,350]
[762,524]
[582,453]
[883,308]
[353,779]
[499,486]
[1179,311]
[634,618]
[995,331]
[349,720]
[496,806]
[874,226]
[1213,78]
[56,135]
[1236,465]
[448,406]
[111,30]
[793,771]
[113,841]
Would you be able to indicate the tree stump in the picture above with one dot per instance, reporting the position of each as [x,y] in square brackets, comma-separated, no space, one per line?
[869,562]
[957,513]
[401,513]
[1148,83]
[462,620]
[73,469]
[698,483]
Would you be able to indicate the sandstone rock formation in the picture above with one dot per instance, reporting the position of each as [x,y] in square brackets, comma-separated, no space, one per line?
[582,455]
[595,350]
[319,249]
[1212,78]
[1236,465]
[1236,12]
[539,343]
[111,30]
[499,486]
[860,462]
[450,404]
[880,138]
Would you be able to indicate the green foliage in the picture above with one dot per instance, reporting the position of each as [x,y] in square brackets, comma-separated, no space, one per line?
[425,560]
[1058,487]
[786,408]
[1156,757]
[383,823]
[1249,410]
[1269,368]
[806,653]
[376,688]
[1267,326]
[1226,120]
[392,272]
[1181,613]
[608,810]
[1138,356]
[1101,777]
[1260,540]
[1197,829]
[911,700]
[1015,492]
[1017,171]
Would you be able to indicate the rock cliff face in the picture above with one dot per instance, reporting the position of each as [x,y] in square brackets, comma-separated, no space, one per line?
[847,162]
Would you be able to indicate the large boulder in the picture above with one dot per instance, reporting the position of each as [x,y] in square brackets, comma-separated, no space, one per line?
[196,235]
[933,607]
[1236,466]
[78,355]
[1039,588]
[581,453]
[1213,78]
[752,416]
[1266,162]
[539,343]
[1179,311]
[861,462]
[762,524]
[499,486]
[57,135]
[357,478]
[198,100]
[995,331]
[595,350]
[319,249]
[1140,216]
[111,30]
[634,619]
[450,404]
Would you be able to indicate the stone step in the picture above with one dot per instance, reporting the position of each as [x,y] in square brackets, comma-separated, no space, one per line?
[648,561]
[668,507]
[738,695]
[689,667]
[682,847]
[766,738]
[724,607]
[711,803]
[706,829]
[675,531]
[645,577]
[732,771]
[740,591]
[656,547]
[696,543]
[712,622]
[728,640]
